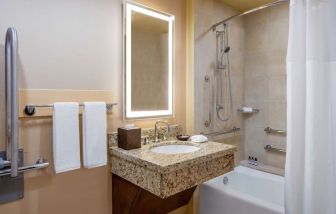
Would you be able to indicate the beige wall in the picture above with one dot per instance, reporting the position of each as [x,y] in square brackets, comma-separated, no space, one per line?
[74,44]
[207,13]
[265,81]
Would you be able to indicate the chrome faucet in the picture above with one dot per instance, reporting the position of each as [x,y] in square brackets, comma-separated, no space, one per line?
[156,133]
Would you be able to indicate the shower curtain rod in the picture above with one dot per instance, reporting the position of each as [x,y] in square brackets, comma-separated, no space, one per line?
[248,12]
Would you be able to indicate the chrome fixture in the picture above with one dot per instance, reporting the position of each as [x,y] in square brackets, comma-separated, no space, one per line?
[12,115]
[12,123]
[274,149]
[208,122]
[233,130]
[269,130]
[40,164]
[223,103]
[220,90]
[248,12]
[30,109]
[156,138]
[4,163]
[145,139]
[254,110]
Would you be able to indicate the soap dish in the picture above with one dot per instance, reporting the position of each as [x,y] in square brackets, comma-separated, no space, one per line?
[248,110]
[183,137]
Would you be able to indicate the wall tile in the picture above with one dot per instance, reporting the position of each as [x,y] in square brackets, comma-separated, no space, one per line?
[265,82]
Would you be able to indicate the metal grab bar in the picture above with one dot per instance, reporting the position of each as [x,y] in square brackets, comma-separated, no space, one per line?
[12,114]
[4,163]
[274,149]
[12,123]
[40,164]
[234,129]
[208,122]
[30,109]
[269,130]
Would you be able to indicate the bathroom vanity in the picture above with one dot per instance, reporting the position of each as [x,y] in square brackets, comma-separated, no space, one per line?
[161,177]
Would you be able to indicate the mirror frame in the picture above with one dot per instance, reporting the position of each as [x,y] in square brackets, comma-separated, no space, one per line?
[128,113]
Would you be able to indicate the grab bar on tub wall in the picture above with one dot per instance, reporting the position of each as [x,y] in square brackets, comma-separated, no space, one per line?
[208,122]
[274,149]
[269,130]
[234,129]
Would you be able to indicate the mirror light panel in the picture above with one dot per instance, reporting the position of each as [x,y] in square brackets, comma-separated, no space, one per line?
[170,19]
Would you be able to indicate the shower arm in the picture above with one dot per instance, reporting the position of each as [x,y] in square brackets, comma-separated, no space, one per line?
[12,123]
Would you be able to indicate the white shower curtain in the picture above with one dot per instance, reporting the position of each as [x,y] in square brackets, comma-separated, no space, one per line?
[310,182]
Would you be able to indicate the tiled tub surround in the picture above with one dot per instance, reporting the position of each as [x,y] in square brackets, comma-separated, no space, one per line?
[164,174]
[208,12]
[265,82]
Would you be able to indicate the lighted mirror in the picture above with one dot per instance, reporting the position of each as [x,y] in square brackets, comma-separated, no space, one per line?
[148,62]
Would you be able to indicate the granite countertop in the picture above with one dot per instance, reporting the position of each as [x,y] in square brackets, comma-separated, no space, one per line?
[165,163]
[167,174]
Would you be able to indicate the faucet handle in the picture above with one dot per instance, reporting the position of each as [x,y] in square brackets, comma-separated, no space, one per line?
[166,134]
[145,139]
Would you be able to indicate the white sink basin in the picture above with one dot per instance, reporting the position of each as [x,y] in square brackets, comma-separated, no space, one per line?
[174,149]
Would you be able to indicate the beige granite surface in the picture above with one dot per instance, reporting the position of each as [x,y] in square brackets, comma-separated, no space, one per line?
[167,174]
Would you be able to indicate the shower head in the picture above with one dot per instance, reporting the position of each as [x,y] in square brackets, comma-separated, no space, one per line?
[227,49]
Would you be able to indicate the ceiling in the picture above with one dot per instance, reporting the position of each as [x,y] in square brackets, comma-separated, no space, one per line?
[244,5]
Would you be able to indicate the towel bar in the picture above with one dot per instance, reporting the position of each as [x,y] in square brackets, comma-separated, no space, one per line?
[40,164]
[30,109]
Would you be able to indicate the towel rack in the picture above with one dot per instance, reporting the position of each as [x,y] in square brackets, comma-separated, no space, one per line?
[269,130]
[234,129]
[30,109]
[274,149]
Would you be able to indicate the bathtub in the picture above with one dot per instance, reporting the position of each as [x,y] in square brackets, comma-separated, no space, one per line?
[247,191]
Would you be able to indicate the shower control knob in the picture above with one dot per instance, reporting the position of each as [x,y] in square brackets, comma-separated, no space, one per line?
[206,123]
[206,78]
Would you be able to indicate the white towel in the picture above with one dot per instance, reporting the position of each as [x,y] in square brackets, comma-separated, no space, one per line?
[66,147]
[94,134]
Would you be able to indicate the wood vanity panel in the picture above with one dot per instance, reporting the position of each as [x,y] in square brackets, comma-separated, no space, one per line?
[128,198]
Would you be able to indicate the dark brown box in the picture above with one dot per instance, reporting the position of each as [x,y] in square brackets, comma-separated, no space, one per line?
[129,138]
